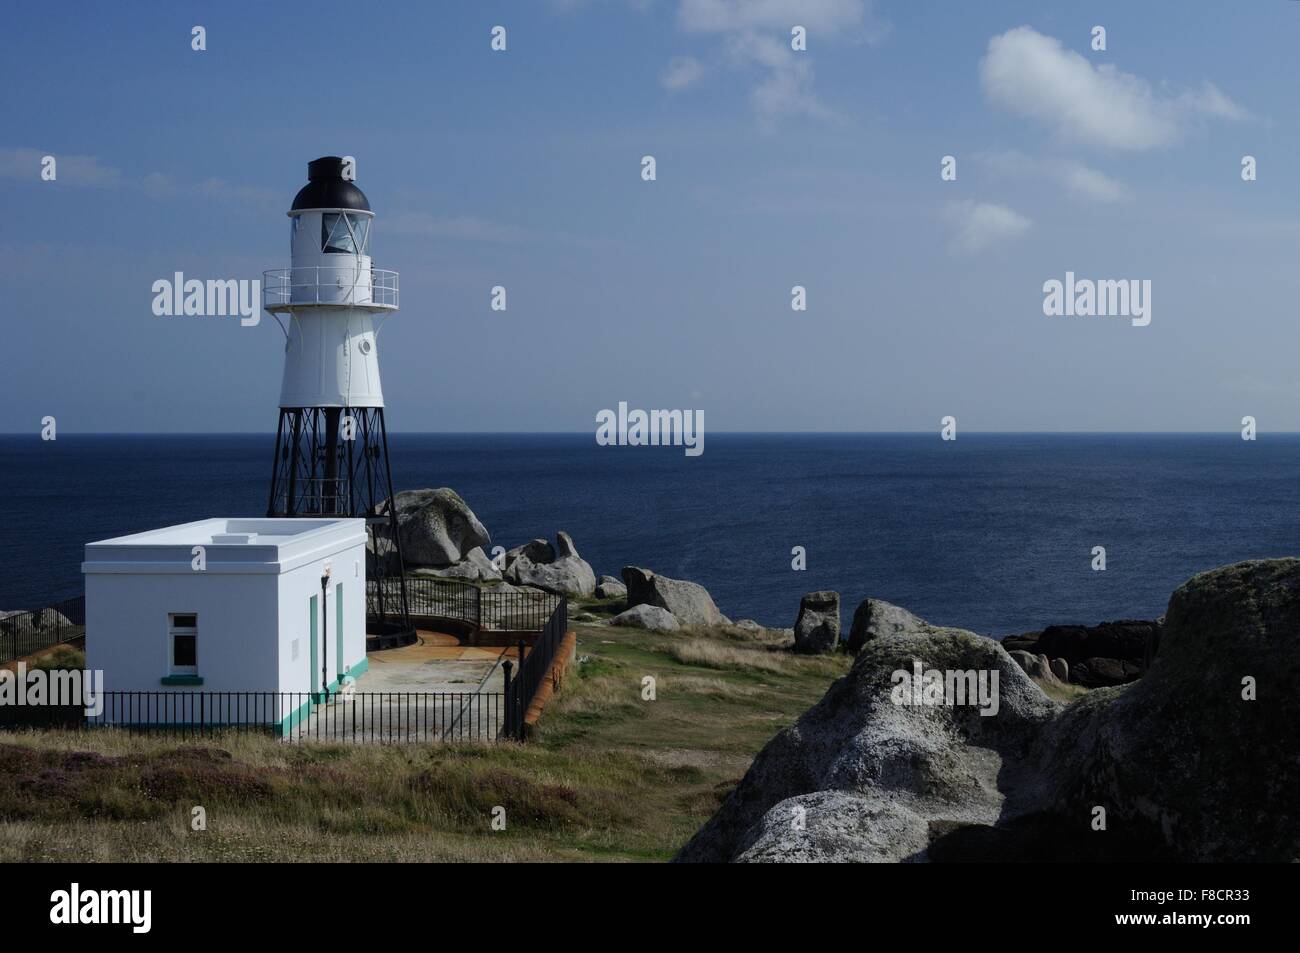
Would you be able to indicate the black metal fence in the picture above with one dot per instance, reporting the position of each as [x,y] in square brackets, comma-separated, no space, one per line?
[492,608]
[22,633]
[534,664]
[365,717]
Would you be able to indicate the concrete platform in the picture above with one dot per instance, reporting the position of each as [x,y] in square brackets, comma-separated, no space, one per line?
[392,704]
[436,663]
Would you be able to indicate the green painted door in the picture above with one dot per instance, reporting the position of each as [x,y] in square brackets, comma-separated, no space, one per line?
[338,633]
[314,681]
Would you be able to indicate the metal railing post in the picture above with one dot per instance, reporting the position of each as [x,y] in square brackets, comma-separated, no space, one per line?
[509,713]
[530,687]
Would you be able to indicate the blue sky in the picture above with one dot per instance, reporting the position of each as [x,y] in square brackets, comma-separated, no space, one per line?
[775,168]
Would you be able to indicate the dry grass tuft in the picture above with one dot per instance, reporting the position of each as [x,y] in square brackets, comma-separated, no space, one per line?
[710,687]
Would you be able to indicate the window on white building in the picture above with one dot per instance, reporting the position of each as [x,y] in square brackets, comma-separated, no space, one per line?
[183,643]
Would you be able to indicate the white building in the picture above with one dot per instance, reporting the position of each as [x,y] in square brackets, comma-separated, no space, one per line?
[228,605]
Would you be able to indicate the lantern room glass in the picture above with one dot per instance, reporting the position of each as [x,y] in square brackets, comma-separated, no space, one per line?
[342,233]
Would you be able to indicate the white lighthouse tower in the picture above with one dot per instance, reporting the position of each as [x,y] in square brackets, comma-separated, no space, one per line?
[331,455]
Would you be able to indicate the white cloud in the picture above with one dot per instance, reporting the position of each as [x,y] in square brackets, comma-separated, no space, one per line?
[71,170]
[786,88]
[1079,179]
[681,73]
[23,163]
[756,33]
[1212,101]
[1035,76]
[1089,183]
[980,225]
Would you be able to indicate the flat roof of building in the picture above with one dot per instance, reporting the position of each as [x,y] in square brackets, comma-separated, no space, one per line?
[231,544]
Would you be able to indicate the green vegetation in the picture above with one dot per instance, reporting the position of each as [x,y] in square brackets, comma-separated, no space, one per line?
[1062,691]
[610,776]
[60,658]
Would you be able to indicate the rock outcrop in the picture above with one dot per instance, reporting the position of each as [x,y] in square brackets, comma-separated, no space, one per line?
[610,588]
[875,617]
[1185,752]
[474,567]
[865,777]
[1037,667]
[1112,653]
[1060,668]
[1101,672]
[647,617]
[1196,761]
[38,620]
[33,620]
[560,570]
[436,527]
[689,602]
[817,628]
[535,550]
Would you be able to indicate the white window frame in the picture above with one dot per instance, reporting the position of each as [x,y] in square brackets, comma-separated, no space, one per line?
[174,630]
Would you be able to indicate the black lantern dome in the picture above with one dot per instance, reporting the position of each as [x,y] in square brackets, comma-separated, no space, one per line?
[326,187]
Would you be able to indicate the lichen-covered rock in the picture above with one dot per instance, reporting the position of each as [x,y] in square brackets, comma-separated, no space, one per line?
[1111,653]
[873,772]
[1037,667]
[689,602]
[474,566]
[1197,761]
[538,550]
[647,617]
[610,588]
[436,527]
[817,628]
[1025,642]
[37,620]
[1101,672]
[1181,755]
[1125,639]
[564,573]
[875,617]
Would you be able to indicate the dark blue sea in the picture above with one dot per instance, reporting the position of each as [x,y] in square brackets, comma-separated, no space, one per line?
[989,532]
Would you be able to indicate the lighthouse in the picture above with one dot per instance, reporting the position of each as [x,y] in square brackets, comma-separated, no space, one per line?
[331,445]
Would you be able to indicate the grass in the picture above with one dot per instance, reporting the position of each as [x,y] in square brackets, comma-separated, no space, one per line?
[611,775]
[1062,691]
[60,658]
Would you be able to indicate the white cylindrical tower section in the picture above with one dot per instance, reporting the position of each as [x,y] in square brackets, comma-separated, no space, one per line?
[330,296]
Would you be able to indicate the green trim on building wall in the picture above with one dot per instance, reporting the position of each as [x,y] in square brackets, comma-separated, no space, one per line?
[314,680]
[338,625]
[182,679]
[293,719]
[299,714]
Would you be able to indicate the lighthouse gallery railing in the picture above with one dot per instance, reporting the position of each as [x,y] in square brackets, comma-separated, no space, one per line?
[340,285]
